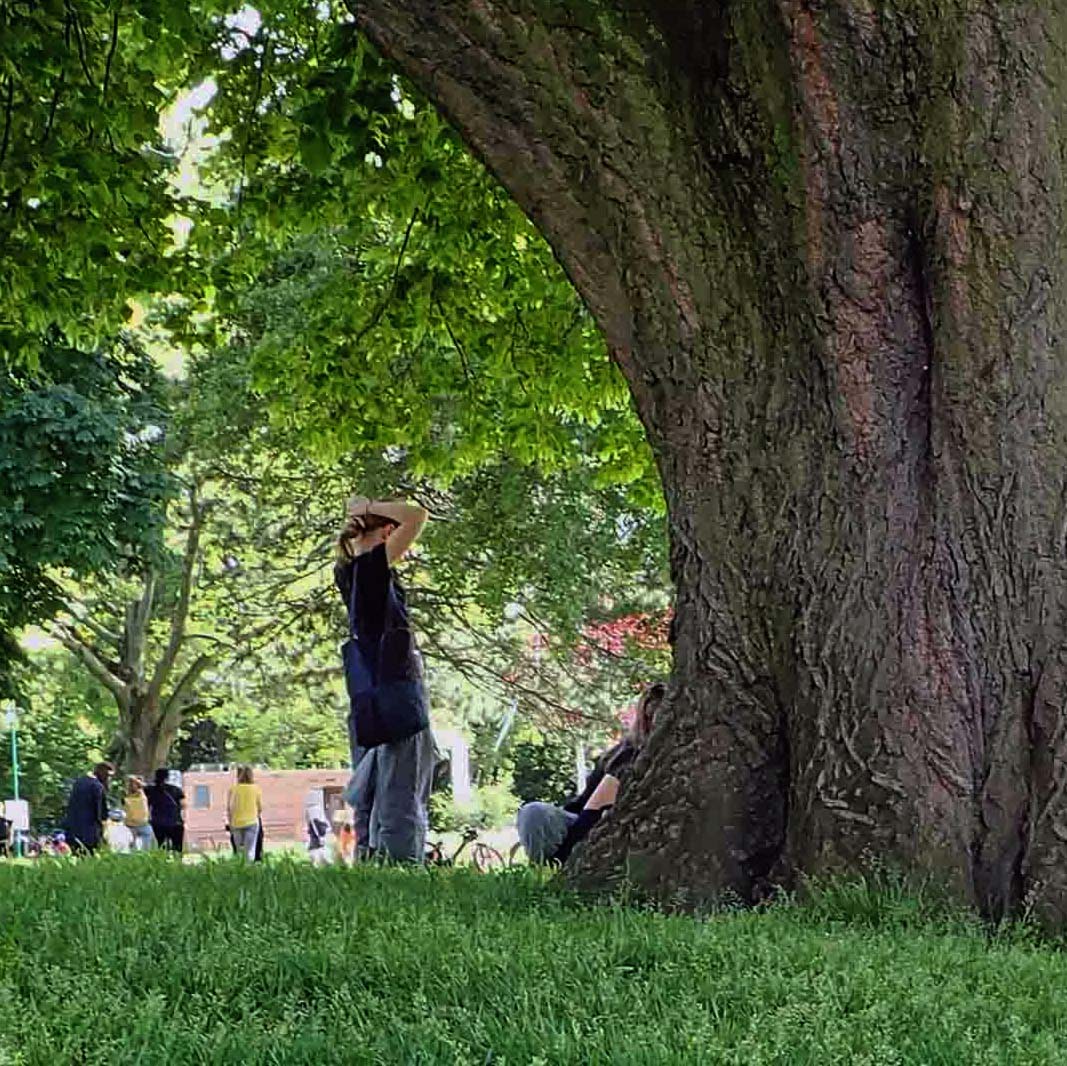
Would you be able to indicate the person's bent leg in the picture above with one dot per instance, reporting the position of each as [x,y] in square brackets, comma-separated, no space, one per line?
[541,828]
[405,773]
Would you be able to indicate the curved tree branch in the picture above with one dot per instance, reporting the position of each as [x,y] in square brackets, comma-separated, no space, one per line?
[9,105]
[111,51]
[526,97]
[79,612]
[176,700]
[91,661]
[181,608]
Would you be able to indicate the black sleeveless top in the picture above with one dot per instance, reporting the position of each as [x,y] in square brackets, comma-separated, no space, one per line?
[379,600]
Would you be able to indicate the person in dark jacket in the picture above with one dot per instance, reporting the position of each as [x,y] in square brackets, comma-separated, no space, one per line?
[547,832]
[166,812]
[87,810]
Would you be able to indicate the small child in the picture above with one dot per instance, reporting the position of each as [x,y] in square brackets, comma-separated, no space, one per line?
[345,844]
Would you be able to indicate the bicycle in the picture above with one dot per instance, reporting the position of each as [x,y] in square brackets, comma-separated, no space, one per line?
[483,857]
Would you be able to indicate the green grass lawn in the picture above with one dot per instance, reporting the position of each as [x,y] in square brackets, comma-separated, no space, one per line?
[134,959]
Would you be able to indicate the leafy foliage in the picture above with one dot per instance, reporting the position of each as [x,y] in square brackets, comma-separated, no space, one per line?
[542,767]
[65,725]
[83,478]
[359,306]
[84,194]
[392,295]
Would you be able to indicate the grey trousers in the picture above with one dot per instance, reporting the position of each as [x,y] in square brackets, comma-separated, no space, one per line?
[244,840]
[541,828]
[390,792]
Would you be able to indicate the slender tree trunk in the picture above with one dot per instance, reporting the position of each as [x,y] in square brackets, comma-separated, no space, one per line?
[824,240]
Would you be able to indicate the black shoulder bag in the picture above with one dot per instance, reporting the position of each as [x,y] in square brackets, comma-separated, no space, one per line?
[387,698]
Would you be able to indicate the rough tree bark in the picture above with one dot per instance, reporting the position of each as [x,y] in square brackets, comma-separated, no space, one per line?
[824,240]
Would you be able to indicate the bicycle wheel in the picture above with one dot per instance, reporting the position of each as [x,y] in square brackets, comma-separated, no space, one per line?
[486,858]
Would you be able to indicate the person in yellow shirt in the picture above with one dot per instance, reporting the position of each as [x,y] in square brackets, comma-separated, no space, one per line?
[135,804]
[244,805]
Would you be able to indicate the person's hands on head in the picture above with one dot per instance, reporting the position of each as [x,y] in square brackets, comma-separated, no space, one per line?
[358,506]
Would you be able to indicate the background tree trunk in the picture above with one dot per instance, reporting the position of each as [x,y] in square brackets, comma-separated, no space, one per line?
[150,697]
[824,240]
[148,737]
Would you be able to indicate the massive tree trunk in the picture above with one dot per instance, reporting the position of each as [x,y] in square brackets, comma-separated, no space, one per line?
[824,240]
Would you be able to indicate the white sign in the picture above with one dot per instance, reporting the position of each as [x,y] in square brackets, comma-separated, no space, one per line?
[17,812]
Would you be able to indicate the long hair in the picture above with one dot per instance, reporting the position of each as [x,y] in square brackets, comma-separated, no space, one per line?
[244,775]
[647,706]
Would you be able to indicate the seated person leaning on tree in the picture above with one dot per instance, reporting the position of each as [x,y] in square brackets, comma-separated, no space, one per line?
[547,832]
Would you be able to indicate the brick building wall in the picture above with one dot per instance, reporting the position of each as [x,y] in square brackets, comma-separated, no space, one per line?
[284,793]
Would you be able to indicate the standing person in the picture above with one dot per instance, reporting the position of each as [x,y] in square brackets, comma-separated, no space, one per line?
[136,807]
[244,805]
[388,721]
[166,812]
[87,810]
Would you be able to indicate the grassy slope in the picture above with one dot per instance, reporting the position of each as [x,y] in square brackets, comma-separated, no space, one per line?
[139,960]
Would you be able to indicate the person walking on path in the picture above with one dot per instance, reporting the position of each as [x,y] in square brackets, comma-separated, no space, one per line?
[244,806]
[135,804]
[166,812]
[389,716]
[87,810]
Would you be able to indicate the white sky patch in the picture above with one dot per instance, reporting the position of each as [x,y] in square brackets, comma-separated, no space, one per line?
[180,227]
[244,25]
[34,639]
[176,119]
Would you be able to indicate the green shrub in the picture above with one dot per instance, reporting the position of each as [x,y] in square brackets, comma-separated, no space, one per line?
[543,768]
[491,807]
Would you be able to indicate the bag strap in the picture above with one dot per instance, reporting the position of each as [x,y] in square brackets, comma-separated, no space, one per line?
[352,602]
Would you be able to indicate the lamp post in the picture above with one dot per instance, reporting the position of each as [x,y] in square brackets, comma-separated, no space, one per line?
[11,720]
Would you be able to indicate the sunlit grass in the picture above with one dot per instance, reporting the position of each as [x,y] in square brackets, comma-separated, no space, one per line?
[138,959]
